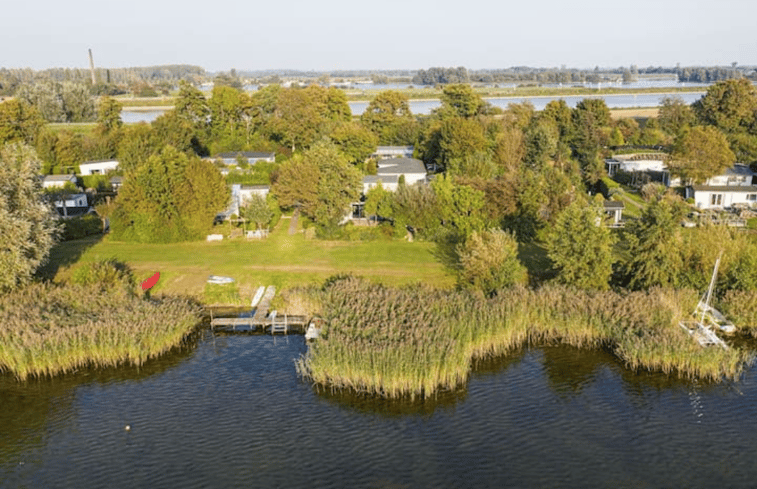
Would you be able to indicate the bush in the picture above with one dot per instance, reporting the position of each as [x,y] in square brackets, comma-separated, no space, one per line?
[107,274]
[81,227]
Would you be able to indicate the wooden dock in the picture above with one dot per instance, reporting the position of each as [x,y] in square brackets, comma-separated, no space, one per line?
[263,320]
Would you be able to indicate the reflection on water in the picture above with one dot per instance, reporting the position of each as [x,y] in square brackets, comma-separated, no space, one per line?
[230,411]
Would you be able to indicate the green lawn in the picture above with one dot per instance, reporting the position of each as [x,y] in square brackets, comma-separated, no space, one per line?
[281,260]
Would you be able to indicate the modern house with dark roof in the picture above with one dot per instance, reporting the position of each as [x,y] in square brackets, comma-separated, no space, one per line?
[389,171]
[733,188]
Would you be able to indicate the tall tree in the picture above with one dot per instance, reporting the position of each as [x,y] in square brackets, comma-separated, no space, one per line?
[701,153]
[652,244]
[459,100]
[581,247]
[388,116]
[355,141]
[488,261]
[728,105]
[26,222]
[675,115]
[19,122]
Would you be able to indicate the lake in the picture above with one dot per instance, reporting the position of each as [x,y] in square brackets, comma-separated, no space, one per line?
[229,411]
[425,107]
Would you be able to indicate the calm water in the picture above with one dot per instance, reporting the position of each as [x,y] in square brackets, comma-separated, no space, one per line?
[426,106]
[229,411]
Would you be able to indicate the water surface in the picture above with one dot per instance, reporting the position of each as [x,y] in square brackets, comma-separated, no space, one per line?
[230,411]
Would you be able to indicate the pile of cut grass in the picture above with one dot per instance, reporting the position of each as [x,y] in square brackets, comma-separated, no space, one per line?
[47,330]
[414,341]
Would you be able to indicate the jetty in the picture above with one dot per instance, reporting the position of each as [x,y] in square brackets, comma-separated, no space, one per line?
[263,319]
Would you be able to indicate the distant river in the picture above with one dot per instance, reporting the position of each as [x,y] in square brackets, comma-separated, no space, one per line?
[230,412]
[426,106]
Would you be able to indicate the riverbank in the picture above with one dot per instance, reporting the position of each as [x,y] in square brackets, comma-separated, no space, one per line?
[46,330]
[414,342]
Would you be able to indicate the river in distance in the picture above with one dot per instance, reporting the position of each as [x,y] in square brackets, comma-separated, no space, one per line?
[230,411]
[424,107]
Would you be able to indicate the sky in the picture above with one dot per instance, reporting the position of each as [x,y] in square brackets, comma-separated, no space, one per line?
[331,35]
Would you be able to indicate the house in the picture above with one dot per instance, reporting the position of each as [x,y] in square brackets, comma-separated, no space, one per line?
[384,152]
[643,168]
[733,188]
[72,205]
[389,171]
[97,167]
[58,181]
[239,194]
[233,158]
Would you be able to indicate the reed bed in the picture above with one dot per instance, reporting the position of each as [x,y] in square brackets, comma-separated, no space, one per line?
[47,330]
[741,307]
[414,341]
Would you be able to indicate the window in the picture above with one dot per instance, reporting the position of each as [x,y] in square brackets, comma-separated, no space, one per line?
[716,199]
[751,197]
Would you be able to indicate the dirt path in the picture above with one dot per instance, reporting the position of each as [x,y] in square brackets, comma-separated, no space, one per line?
[293,222]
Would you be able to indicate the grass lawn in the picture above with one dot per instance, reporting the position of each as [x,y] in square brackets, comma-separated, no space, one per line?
[281,260]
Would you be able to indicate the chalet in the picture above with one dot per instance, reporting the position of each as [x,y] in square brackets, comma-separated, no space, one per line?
[58,181]
[733,188]
[97,167]
[116,182]
[72,205]
[642,168]
[239,194]
[234,157]
[614,211]
[384,152]
[389,171]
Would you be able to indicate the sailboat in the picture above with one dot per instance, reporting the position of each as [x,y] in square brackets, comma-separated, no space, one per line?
[707,317]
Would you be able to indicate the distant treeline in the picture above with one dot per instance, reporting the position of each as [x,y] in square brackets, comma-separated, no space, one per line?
[12,78]
[434,76]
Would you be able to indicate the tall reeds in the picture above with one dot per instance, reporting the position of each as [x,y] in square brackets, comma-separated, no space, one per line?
[46,330]
[413,341]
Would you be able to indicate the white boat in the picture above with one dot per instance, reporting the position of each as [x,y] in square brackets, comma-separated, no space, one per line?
[707,318]
[220,280]
[313,330]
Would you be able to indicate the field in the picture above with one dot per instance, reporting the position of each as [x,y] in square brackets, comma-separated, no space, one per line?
[282,260]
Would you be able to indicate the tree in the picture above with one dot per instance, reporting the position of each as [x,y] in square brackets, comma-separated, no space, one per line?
[355,141]
[378,201]
[26,222]
[388,116]
[459,100]
[675,115]
[590,117]
[136,144]
[581,247]
[460,207]
[255,209]
[701,153]
[19,122]
[321,182]
[728,105]
[652,244]
[169,198]
[488,261]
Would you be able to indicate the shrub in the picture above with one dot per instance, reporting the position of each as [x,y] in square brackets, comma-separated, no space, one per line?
[81,227]
[109,274]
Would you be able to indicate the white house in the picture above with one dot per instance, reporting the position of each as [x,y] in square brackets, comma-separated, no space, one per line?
[97,167]
[72,205]
[239,194]
[390,169]
[651,164]
[58,181]
[733,188]
[384,152]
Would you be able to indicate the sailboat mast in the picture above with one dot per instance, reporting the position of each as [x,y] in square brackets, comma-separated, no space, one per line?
[712,286]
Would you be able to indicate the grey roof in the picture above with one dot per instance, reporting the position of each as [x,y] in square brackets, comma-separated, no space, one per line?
[59,178]
[614,204]
[400,166]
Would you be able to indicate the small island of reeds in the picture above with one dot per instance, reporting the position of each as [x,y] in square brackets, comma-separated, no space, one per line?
[46,329]
[414,341]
